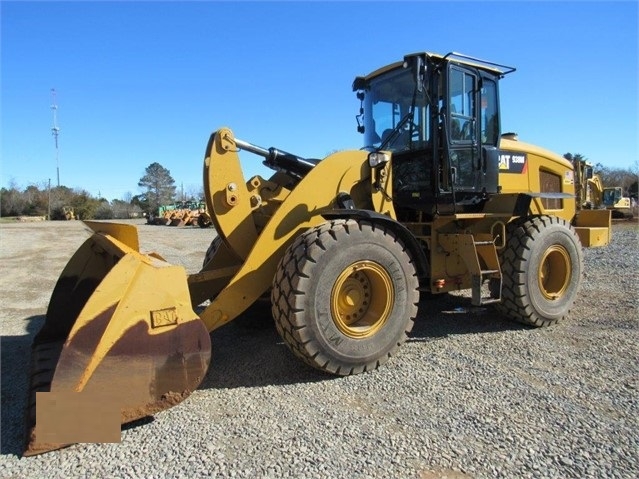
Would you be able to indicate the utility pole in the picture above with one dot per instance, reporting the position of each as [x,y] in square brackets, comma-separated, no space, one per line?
[55,131]
[49,204]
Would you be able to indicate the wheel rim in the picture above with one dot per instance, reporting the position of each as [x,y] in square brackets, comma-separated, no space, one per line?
[554,272]
[362,299]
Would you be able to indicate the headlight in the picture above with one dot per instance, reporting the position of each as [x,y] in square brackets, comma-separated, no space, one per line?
[378,158]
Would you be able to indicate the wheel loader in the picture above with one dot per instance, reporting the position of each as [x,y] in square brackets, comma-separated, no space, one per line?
[437,200]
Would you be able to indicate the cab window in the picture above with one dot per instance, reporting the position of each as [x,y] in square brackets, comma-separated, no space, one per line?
[489,114]
[462,89]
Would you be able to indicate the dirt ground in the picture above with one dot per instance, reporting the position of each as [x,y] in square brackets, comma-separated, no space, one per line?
[36,252]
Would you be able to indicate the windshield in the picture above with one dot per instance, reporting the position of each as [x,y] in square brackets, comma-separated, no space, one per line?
[387,105]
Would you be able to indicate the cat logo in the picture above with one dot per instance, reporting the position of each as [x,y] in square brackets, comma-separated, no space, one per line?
[512,162]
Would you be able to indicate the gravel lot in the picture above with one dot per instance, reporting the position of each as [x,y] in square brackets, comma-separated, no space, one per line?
[470,395]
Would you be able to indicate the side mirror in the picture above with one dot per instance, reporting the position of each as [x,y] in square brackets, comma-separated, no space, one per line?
[360,118]
[416,63]
[419,73]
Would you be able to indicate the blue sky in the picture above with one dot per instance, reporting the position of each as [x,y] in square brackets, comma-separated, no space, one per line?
[145,82]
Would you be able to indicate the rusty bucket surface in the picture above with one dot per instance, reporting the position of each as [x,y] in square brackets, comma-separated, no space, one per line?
[120,342]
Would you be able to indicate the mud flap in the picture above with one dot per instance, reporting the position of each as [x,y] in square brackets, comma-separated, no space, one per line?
[120,342]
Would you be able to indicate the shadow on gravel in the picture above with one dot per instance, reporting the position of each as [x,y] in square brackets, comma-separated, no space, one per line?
[15,354]
[445,315]
[248,352]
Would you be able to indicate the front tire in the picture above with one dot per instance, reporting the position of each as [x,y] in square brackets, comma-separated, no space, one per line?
[204,221]
[345,296]
[541,267]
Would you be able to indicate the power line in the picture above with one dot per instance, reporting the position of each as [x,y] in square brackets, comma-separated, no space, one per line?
[55,130]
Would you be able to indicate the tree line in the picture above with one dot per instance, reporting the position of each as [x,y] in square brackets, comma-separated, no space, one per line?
[157,185]
[158,188]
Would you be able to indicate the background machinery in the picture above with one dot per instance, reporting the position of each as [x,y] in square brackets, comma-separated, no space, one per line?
[438,201]
[182,213]
[591,193]
[588,186]
[614,200]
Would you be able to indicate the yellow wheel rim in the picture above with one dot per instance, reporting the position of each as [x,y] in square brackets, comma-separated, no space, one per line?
[362,299]
[554,272]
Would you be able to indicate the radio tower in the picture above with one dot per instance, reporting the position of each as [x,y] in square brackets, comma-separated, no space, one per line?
[55,131]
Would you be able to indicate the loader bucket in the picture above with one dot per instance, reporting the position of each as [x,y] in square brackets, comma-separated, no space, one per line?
[120,342]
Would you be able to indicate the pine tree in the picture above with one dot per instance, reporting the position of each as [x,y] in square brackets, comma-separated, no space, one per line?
[159,186]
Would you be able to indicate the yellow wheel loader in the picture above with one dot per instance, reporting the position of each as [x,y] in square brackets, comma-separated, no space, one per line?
[438,200]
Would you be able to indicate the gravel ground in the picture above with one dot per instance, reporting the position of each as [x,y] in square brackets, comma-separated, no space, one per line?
[470,395]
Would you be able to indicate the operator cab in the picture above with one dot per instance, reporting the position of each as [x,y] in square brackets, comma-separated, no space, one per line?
[612,195]
[439,117]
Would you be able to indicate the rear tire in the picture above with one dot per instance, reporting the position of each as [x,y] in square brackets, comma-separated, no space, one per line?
[541,268]
[345,296]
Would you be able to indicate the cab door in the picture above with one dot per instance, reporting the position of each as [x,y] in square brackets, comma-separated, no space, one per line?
[464,151]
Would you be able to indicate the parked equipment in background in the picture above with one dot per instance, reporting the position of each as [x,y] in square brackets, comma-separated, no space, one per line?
[614,200]
[183,213]
[591,193]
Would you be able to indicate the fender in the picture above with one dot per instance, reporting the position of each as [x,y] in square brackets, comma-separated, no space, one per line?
[411,242]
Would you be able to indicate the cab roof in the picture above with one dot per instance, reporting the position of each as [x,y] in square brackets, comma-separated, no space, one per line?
[491,67]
